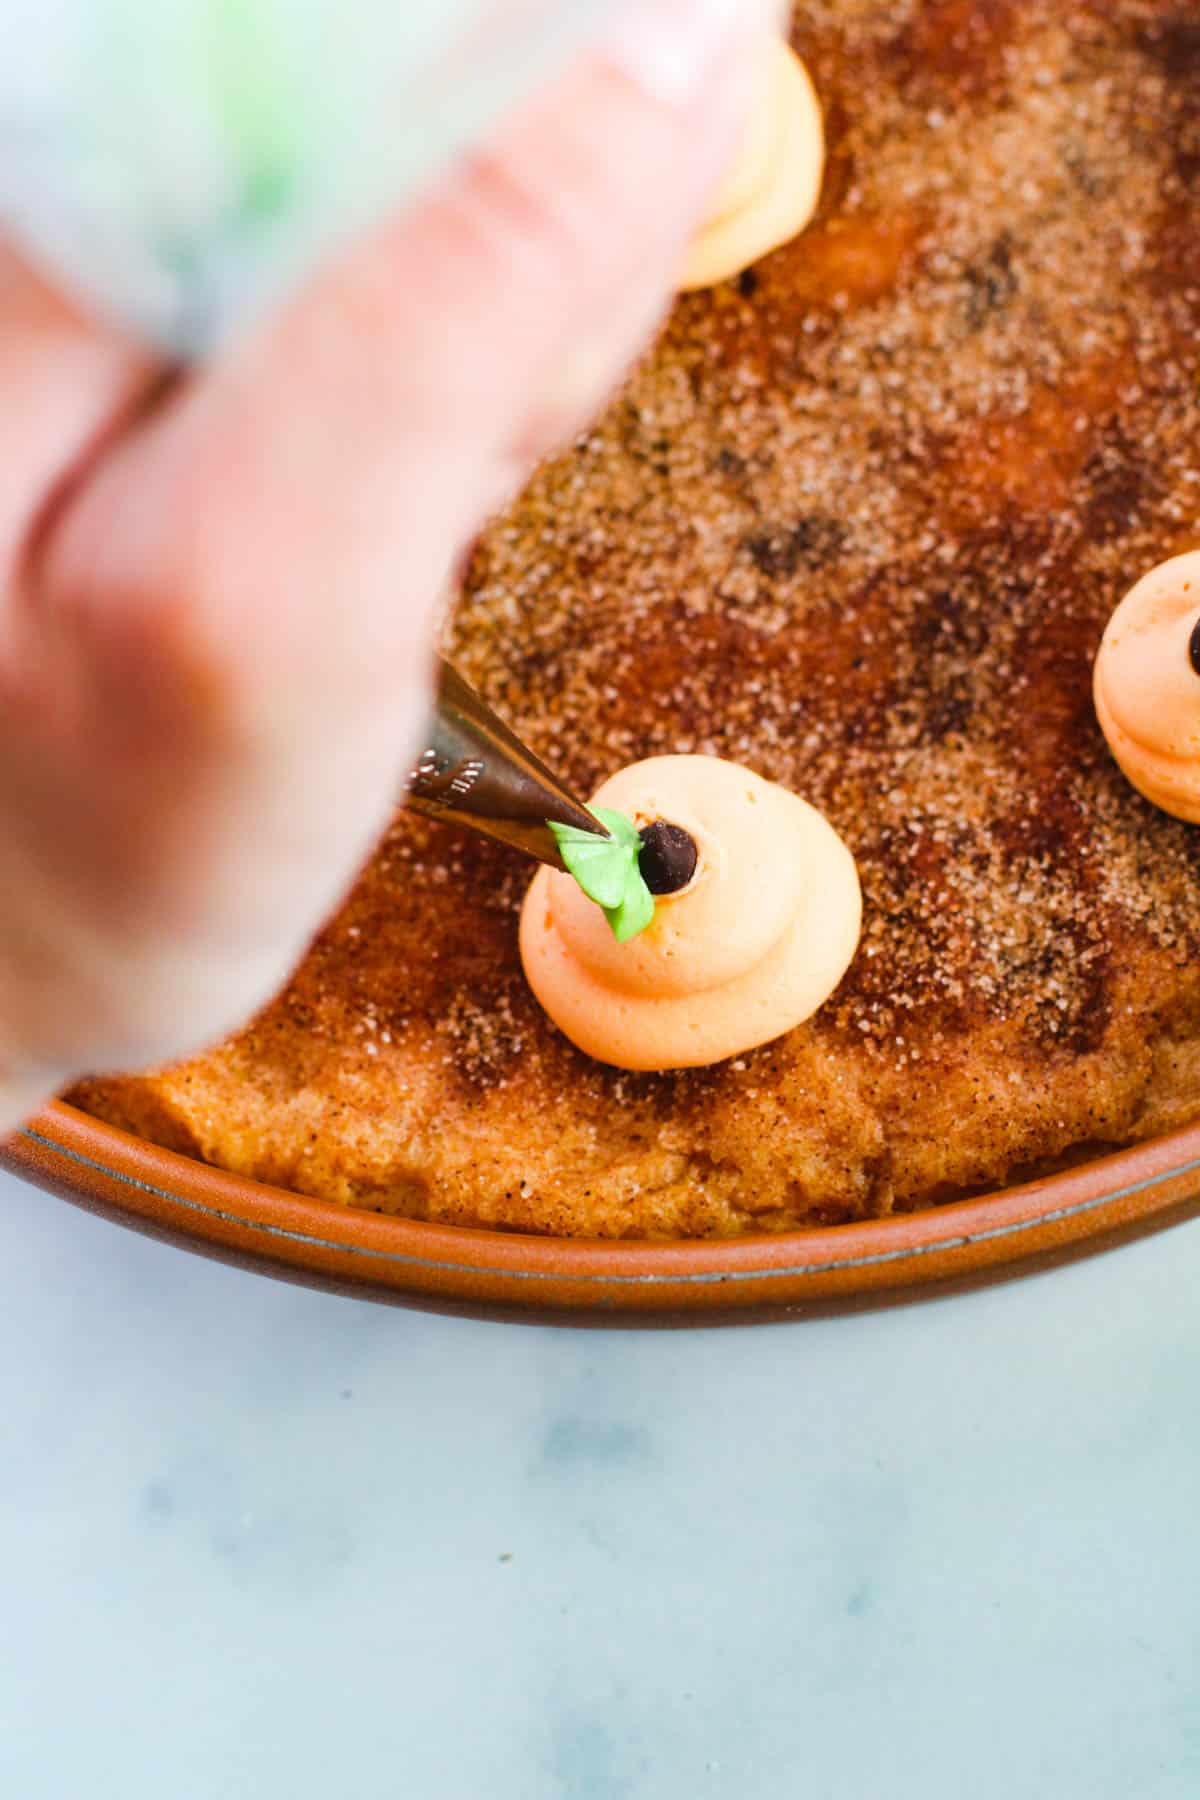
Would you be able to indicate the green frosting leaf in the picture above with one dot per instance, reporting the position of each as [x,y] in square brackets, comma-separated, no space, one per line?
[634,913]
[607,870]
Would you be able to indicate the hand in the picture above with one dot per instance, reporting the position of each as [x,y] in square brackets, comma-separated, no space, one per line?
[219,592]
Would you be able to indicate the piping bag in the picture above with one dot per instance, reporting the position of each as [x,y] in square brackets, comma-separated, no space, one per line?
[179,165]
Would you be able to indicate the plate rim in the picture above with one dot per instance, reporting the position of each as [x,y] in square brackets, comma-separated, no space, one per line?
[478,1269]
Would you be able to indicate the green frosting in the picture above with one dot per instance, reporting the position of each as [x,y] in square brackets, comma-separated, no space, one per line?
[608,871]
[262,118]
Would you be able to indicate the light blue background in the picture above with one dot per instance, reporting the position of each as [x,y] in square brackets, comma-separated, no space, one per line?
[260,1542]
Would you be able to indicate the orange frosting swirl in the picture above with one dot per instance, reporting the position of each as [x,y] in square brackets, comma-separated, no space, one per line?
[755,943]
[1147,689]
[771,192]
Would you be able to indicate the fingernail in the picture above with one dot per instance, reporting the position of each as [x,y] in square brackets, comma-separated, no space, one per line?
[669,47]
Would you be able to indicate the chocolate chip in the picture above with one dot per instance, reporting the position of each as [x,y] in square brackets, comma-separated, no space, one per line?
[667,858]
[1194,646]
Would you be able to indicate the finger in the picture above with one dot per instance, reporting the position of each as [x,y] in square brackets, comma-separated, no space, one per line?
[65,379]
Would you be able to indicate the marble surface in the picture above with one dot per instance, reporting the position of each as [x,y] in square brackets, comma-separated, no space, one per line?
[260,1542]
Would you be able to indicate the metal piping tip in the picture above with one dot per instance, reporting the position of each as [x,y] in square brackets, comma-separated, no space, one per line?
[476,773]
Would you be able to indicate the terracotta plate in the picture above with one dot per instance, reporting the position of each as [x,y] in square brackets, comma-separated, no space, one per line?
[494,1273]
